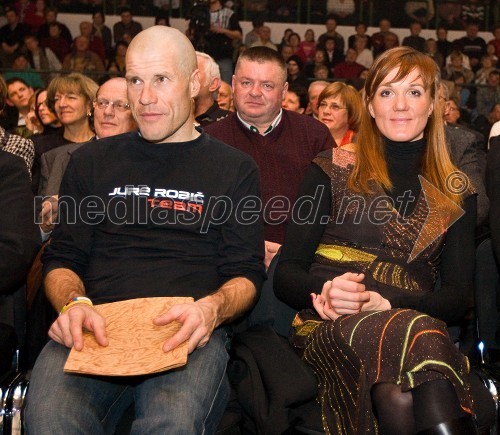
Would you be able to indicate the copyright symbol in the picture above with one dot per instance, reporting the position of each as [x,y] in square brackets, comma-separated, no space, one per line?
[457,182]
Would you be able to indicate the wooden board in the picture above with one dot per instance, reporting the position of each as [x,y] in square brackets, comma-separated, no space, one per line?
[135,343]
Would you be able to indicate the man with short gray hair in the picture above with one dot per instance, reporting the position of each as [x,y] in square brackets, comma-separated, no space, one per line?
[206,109]
[315,88]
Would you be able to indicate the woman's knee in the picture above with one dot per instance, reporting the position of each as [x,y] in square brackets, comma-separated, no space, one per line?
[391,397]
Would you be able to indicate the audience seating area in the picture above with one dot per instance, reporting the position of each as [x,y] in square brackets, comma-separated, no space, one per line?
[476,100]
[303,11]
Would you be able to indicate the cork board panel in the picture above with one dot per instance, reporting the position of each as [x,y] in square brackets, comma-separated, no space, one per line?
[135,343]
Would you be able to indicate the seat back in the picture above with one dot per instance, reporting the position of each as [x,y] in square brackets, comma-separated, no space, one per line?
[13,383]
[487,287]
[13,318]
[269,310]
[275,369]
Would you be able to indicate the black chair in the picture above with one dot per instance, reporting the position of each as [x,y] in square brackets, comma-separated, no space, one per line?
[487,289]
[487,313]
[13,380]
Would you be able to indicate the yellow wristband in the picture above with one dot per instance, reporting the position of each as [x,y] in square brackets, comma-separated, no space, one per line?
[76,301]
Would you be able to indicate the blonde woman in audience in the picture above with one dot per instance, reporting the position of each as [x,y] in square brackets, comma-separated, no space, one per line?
[71,98]
[339,108]
[307,47]
[365,55]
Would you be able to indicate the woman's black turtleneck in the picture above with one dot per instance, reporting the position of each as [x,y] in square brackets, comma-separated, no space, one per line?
[293,283]
[403,165]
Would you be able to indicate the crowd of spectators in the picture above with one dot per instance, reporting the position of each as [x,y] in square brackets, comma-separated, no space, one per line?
[454,13]
[36,47]
[469,64]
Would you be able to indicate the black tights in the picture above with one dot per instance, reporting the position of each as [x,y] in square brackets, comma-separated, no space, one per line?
[427,405]
[394,409]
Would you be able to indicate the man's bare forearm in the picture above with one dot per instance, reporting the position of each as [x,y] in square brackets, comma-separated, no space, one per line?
[231,300]
[61,285]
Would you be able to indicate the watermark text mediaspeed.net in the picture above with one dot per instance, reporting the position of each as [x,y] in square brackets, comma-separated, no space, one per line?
[141,205]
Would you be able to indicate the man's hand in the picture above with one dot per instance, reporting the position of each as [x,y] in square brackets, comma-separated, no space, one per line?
[68,327]
[49,213]
[198,319]
[271,250]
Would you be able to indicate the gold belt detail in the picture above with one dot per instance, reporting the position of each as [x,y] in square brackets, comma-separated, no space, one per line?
[344,254]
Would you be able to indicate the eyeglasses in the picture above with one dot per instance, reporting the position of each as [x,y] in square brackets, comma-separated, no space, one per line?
[333,107]
[118,105]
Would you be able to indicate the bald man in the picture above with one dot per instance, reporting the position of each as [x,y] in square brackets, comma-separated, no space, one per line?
[167,231]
